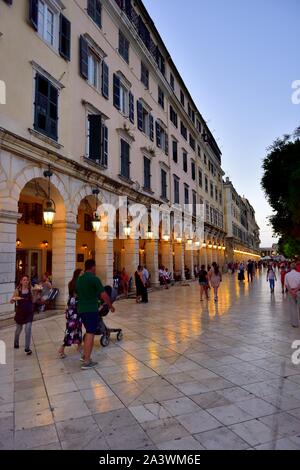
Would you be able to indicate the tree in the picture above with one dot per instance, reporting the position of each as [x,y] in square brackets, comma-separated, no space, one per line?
[281,184]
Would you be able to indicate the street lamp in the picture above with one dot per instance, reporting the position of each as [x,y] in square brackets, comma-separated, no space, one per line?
[96,222]
[49,204]
[127,231]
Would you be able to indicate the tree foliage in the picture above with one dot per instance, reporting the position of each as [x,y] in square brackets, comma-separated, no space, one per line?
[281,184]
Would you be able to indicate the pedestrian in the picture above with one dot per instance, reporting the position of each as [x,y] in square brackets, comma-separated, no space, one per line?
[292,283]
[73,331]
[215,278]
[141,289]
[24,312]
[203,282]
[241,272]
[282,277]
[271,277]
[250,269]
[89,290]
[124,282]
[146,276]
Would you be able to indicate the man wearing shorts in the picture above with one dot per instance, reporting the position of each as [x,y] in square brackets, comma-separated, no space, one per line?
[89,290]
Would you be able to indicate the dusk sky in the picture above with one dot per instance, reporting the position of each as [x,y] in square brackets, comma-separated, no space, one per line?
[238,59]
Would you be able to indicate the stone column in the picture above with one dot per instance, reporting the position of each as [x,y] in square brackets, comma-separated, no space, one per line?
[104,254]
[63,258]
[8,235]
[179,259]
[204,258]
[152,260]
[131,257]
[167,255]
[189,260]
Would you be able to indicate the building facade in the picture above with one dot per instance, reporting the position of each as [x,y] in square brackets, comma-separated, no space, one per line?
[242,239]
[93,93]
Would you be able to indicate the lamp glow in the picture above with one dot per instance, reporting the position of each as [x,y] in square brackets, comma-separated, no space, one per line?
[49,212]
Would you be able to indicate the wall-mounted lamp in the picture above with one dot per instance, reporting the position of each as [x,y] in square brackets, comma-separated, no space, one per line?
[84,246]
[45,243]
[209,245]
[179,239]
[96,221]
[49,204]
[127,231]
[18,242]
[166,237]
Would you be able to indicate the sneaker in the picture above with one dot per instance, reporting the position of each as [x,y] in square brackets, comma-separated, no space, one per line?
[16,346]
[82,359]
[28,352]
[89,365]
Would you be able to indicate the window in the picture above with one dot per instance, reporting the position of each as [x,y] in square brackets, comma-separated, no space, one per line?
[176,190]
[94,11]
[160,61]
[211,189]
[206,184]
[172,82]
[200,178]
[143,32]
[192,142]
[97,140]
[161,98]
[123,47]
[183,130]
[51,25]
[186,194]
[93,68]
[47,23]
[216,194]
[161,138]
[147,173]
[199,151]
[198,125]
[123,98]
[205,159]
[184,161]
[175,150]
[46,107]
[163,183]
[193,169]
[173,116]
[182,101]
[145,120]
[144,75]
[125,159]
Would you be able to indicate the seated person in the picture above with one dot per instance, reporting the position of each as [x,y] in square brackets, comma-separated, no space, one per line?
[162,277]
[168,276]
[42,297]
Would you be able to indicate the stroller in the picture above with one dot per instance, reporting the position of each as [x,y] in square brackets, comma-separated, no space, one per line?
[102,329]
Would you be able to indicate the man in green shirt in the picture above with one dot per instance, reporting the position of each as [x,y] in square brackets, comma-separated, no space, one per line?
[89,290]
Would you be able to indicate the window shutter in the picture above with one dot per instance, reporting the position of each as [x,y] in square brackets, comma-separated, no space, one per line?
[33,13]
[166,144]
[95,134]
[64,37]
[131,107]
[157,132]
[83,58]
[140,115]
[94,11]
[125,164]
[104,159]
[116,91]
[151,127]
[105,80]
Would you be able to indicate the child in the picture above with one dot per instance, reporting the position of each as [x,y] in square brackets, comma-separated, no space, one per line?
[24,312]
[271,277]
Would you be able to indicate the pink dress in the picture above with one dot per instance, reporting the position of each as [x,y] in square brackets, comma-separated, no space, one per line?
[215,279]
